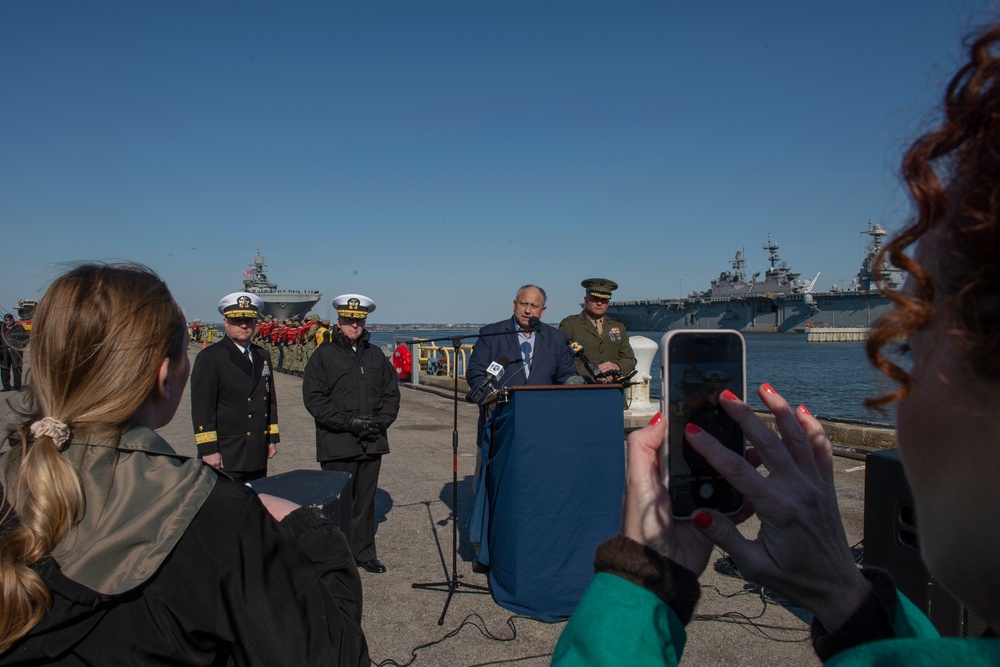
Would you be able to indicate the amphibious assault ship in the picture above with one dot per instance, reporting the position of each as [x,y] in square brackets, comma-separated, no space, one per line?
[782,302]
[279,304]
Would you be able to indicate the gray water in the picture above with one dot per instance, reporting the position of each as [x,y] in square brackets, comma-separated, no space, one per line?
[830,379]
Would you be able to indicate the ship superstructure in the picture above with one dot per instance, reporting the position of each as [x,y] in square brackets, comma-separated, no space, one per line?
[781,302]
[279,304]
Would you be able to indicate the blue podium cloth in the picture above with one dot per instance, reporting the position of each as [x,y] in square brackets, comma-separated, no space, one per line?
[550,491]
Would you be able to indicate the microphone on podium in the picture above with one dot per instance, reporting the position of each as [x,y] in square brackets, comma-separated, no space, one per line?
[493,373]
[576,349]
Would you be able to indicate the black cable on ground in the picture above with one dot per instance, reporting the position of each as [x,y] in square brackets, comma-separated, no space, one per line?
[483,630]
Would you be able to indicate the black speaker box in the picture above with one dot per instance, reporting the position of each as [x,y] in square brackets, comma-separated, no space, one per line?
[327,490]
[892,543]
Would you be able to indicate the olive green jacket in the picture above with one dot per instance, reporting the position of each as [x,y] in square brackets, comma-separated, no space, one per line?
[612,345]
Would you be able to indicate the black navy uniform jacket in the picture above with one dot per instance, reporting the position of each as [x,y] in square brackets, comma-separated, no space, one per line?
[233,405]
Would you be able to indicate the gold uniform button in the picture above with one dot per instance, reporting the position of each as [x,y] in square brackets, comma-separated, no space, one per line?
[248,432]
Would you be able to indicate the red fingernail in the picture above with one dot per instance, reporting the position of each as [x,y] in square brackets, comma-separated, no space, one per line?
[805,411]
[691,428]
[702,519]
[729,396]
[657,418]
[767,388]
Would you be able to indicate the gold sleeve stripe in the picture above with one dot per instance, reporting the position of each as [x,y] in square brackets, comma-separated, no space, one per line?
[207,436]
[273,429]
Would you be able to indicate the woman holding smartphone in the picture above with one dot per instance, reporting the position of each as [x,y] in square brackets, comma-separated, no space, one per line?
[115,550]
[948,433]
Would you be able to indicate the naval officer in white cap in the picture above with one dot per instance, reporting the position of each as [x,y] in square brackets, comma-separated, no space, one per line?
[350,389]
[233,403]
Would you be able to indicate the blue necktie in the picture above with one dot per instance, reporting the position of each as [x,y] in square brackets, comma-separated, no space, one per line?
[526,355]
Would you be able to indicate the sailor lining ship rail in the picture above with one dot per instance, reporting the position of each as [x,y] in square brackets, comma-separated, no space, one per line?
[781,303]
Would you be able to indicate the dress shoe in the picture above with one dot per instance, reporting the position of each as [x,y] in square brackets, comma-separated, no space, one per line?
[480,568]
[374,566]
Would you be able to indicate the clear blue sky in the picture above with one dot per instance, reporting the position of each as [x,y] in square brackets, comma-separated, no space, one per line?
[436,155]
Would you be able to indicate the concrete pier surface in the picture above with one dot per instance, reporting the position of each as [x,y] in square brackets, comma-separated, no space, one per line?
[735,623]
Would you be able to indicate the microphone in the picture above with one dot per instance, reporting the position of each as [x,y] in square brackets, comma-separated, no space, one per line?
[494,395]
[493,373]
[576,349]
[535,325]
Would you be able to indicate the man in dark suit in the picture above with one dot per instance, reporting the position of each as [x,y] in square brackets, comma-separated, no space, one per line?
[233,404]
[536,354]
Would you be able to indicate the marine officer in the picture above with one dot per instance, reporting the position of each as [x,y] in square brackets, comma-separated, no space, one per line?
[604,340]
[233,403]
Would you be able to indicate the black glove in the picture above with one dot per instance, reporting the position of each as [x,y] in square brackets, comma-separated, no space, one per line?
[361,425]
[382,422]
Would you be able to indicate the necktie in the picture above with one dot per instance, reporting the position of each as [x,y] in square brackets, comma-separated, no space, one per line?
[246,353]
[526,355]
[600,327]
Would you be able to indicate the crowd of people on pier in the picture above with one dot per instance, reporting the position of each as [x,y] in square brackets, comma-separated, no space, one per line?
[290,341]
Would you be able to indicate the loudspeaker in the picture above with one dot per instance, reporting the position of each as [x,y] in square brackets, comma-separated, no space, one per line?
[326,490]
[892,543]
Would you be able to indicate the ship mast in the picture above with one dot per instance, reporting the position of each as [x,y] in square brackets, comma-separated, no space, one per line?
[772,251]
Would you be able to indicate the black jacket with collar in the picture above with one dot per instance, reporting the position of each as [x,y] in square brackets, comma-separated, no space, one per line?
[237,589]
[340,383]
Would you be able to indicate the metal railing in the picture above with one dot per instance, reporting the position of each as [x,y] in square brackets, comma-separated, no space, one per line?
[437,359]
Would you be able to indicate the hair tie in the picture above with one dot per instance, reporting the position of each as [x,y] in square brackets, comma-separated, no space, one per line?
[53,428]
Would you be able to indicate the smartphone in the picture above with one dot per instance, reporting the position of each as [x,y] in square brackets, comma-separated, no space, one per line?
[695,367]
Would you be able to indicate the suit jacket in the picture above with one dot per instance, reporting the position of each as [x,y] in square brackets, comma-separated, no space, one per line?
[612,345]
[551,361]
[233,405]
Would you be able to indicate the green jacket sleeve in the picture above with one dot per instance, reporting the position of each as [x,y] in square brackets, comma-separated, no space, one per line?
[620,623]
[633,612]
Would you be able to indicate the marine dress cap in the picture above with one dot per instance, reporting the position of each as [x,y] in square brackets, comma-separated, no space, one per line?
[240,304]
[355,306]
[599,288]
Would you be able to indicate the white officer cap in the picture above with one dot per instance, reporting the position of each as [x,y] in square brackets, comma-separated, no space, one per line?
[240,304]
[356,306]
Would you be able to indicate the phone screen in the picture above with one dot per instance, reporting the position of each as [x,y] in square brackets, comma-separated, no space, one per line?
[698,366]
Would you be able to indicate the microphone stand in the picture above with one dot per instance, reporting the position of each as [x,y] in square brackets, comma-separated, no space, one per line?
[453,584]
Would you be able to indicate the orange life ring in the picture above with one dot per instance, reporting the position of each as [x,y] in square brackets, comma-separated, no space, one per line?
[402,362]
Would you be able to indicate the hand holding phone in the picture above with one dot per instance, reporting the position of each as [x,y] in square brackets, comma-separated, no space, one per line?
[696,367]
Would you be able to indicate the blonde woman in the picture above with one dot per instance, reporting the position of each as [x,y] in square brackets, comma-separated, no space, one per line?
[115,550]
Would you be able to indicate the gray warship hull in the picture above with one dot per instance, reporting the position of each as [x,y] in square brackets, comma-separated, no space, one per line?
[278,304]
[778,314]
[283,305]
[780,303]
